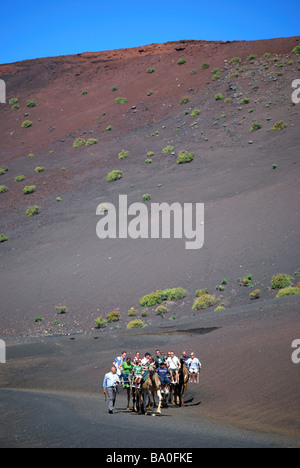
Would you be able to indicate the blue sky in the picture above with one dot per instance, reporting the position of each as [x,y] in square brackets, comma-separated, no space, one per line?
[50,28]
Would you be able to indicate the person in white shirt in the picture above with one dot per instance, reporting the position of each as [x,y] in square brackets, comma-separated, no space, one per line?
[194,366]
[110,382]
[118,363]
[146,360]
[174,365]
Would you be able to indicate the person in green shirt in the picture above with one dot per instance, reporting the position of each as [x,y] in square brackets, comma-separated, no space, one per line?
[137,372]
[126,367]
[159,358]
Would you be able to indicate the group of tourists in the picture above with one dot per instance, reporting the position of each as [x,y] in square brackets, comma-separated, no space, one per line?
[130,371]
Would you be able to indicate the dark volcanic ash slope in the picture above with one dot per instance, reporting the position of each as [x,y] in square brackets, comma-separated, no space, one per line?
[251,209]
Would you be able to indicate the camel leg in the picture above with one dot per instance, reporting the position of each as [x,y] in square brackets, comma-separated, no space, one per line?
[183,395]
[174,391]
[143,402]
[128,398]
[159,401]
[134,400]
[140,402]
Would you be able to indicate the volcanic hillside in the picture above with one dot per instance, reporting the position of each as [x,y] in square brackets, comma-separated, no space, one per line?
[229,103]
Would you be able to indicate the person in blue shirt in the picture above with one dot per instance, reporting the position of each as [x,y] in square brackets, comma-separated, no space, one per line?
[163,374]
[110,382]
[118,364]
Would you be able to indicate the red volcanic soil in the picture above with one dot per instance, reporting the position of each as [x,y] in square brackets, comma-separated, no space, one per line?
[247,180]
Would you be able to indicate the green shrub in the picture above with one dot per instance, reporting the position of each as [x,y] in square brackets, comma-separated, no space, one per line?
[79,142]
[181,61]
[280,125]
[161,310]
[216,77]
[255,294]
[124,154]
[2,171]
[38,319]
[204,66]
[132,312]
[3,238]
[151,70]
[184,100]
[91,141]
[251,57]
[113,317]
[204,301]
[26,124]
[61,309]
[200,292]
[39,169]
[216,72]
[84,92]
[114,88]
[184,157]
[195,112]
[219,97]
[31,103]
[148,161]
[13,101]
[108,128]
[121,100]
[100,322]
[151,299]
[157,297]
[3,189]
[244,101]
[168,149]
[281,280]
[33,210]
[219,308]
[15,107]
[289,291]
[246,280]
[255,126]
[136,324]
[235,60]
[174,294]
[29,189]
[146,197]
[114,175]
[296,50]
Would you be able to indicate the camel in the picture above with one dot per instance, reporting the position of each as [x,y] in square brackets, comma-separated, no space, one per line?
[150,386]
[180,388]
